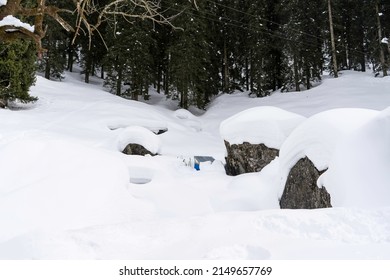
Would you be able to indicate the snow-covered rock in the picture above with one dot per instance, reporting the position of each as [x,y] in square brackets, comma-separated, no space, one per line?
[137,140]
[247,157]
[306,153]
[253,137]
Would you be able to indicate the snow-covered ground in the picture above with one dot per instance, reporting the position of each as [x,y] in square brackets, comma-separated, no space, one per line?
[67,192]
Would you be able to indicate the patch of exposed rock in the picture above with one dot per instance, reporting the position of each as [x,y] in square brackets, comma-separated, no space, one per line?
[301,190]
[136,149]
[246,157]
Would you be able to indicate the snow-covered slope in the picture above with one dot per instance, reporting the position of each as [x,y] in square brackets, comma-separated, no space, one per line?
[66,191]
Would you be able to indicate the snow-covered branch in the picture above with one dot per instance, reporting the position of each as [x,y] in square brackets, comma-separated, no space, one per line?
[144,9]
[12,28]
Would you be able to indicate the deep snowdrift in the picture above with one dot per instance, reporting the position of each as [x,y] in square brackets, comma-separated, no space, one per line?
[66,190]
[359,173]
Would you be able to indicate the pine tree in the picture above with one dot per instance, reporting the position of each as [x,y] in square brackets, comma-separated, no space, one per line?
[357,42]
[53,62]
[230,35]
[267,61]
[189,58]
[128,62]
[161,35]
[17,71]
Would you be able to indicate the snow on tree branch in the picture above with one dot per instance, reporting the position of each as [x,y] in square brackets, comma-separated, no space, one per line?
[144,9]
[15,23]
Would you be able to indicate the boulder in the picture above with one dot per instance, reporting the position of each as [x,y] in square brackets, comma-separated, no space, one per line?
[253,137]
[136,149]
[301,190]
[246,157]
[137,140]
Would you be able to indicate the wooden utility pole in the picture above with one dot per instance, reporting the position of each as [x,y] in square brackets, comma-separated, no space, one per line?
[332,39]
[382,53]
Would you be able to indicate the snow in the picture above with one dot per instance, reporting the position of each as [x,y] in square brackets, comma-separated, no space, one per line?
[318,137]
[67,192]
[60,184]
[385,41]
[267,125]
[13,21]
[358,174]
[3,2]
[250,192]
[139,135]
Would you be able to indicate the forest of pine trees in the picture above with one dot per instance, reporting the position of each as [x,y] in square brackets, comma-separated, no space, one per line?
[218,46]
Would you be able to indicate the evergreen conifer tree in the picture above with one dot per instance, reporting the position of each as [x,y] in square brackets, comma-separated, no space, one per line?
[129,61]
[303,42]
[17,71]
[189,58]
[53,62]
[267,60]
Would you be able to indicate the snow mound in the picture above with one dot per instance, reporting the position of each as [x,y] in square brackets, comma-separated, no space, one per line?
[267,125]
[250,192]
[141,136]
[318,137]
[183,114]
[359,172]
[57,184]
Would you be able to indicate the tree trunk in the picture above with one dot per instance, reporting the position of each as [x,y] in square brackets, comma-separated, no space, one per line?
[247,73]
[225,68]
[308,76]
[119,80]
[362,55]
[102,72]
[93,67]
[252,74]
[334,53]
[70,56]
[88,66]
[296,74]
[47,70]
[382,53]
[159,78]
[184,98]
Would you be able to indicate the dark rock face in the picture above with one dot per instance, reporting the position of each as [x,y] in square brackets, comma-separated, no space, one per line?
[136,149]
[301,191]
[246,157]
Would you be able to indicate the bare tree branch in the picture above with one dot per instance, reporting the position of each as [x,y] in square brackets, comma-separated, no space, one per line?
[129,9]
